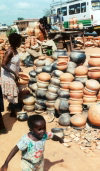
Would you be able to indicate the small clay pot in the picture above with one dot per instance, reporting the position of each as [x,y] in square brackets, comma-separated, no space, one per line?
[57,73]
[63,94]
[94,73]
[76,85]
[28,100]
[73,101]
[44,76]
[42,84]
[61,65]
[87,91]
[52,88]
[50,104]
[61,104]
[55,81]
[64,85]
[76,94]
[28,108]
[92,84]
[66,77]
[87,98]
[51,96]
[75,109]
[81,70]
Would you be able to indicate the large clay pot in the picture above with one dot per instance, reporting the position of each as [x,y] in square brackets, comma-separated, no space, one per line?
[66,77]
[94,114]
[76,85]
[61,104]
[75,109]
[94,73]
[28,100]
[81,70]
[76,94]
[92,84]
[64,119]
[77,56]
[59,52]
[44,76]
[78,120]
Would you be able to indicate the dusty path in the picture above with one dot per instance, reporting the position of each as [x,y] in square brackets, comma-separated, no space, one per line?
[57,156]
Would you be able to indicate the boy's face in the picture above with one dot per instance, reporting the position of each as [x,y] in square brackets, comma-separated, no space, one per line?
[39,129]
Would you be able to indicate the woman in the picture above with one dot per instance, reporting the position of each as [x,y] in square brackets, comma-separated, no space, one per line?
[9,72]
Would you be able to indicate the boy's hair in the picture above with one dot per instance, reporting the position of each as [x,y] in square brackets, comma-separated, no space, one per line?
[33,119]
[15,39]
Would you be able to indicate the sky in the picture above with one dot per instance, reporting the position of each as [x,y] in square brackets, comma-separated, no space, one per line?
[10,10]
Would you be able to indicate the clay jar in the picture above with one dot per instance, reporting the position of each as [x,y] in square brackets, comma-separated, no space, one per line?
[87,98]
[94,114]
[76,85]
[52,88]
[55,81]
[89,92]
[92,85]
[61,65]
[94,60]
[76,94]
[77,56]
[81,70]
[75,109]
[94,72]
[64,85]
[73,101]
[64,119]
[23,79]
[51,96]
[78,120]
[66,77]
[42,84]
[59,52]
[44,76]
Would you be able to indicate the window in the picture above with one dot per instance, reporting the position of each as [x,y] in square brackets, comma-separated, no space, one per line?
[96,4]
[62,10]
[83,7]
[74,9]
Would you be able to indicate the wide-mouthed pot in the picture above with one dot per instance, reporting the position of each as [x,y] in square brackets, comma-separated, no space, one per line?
[59,52]
[78,56]
[76,85]
[66,77]
[28,100]
[81,70]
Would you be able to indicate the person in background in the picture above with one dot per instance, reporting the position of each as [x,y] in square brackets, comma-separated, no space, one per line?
[9,72]
[32,145]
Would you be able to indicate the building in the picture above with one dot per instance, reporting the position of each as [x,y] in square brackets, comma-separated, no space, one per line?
[23,24]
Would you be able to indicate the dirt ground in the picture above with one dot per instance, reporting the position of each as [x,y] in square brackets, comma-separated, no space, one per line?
[57,156]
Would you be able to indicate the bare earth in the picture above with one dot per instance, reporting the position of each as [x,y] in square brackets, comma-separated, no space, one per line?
[57,156]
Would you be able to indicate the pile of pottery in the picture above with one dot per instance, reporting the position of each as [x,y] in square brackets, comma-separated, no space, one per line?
[94,69]
[90,92]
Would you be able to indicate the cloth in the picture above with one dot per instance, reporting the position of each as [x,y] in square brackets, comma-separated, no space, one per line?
[32,151]
[8,84]
[1,101]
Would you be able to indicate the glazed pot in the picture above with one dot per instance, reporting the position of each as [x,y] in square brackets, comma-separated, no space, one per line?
[92,84]
[42,84]
[66,77]
[58,131]
[59,52]
[47,68]
[75,109]
[76,85]
[63,94]
[55,81]
[28,100]
[41,92]
[77,56]
[28,108]
[61,104]
[64,119]
[89,92]
[22,116]
[94,114]
[94,73]
[78,120]
[52,88]
[44,76]
[51,96]
[76,94]
[73,101]
[81,70]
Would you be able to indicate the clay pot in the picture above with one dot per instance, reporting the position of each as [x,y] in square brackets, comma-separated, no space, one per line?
[47,68]
[94,60]
[61,104]
[28,108]
[61,66]
[94,72]
[64,85]
[55,81]
[41,92]
[78,120]
[76,85]
[51,96]
[80,26]
[50,104]
[32,74]
[71,67]
[33,87]
[64,119]
[81,70]
[22,116]
[71,26]
[63,93]
[73,101]
[38,70]
[66,77]
[52,88]
[87,98]
[39,107]
[89,92]
[94,114]
[59,52]
[58,132]
[82,79]
[76,94]
[48,61]
[92,85]
[23,79]
[57,73]
[44,76]
[63,59]
[77,56]
[28,100]
[42,84]
[41,102]
[75,109]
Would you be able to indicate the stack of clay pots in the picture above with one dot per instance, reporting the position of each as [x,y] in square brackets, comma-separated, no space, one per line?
[28,102]
[76,97]
[94,63]
[90,92]
[81,73]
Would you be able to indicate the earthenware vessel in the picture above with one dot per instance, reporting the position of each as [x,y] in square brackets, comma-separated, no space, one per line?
[77,56]
[44,76]
[64,119]
[28,100]
[92,84]
[78,120]
[58,131]
[76,85]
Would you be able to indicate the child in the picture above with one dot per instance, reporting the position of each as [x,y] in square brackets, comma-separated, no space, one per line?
[32,145]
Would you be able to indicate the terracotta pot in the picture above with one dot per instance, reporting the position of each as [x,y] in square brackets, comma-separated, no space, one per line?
[28,108]
[73,101]
[76,94]
[28,100]
[87,98]
[95,62]
[94,72]
[61,65]
[76,85]
[44,76]
[94,114]
[92,85]
[66,77]
[75,109]
[41,92]
[78,120]
[89,92]
[81,70]
[64,85]
[23,78]
[64,119]
[63,58]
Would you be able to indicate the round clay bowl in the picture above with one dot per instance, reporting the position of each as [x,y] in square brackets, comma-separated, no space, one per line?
[92,84]
[73,101]
[78,120]
[76,94]
[75,109]
[81,70]
[66,77]
[89,92]
[44,76]
[76,85]
[94,114]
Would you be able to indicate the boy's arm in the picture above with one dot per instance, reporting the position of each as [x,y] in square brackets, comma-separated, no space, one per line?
[56,138]
[10,156]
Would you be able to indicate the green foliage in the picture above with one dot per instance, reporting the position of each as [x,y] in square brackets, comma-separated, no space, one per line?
[10,30]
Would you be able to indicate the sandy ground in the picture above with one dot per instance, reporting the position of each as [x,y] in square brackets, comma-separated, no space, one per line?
[57,156]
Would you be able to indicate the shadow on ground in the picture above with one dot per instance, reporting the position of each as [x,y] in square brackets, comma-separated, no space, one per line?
[48,164]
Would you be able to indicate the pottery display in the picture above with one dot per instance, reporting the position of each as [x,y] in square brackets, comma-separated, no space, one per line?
[64,119]
[94,114]
[77,56]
